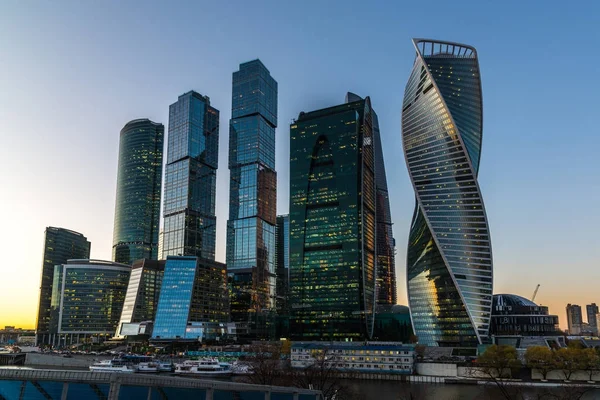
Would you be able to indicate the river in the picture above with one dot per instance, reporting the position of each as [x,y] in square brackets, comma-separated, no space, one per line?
[396,390]
[393,390]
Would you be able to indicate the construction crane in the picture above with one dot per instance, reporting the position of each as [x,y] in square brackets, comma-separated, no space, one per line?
[535,292]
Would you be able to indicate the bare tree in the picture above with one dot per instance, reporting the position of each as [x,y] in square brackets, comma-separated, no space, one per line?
[324,374]
[266,366]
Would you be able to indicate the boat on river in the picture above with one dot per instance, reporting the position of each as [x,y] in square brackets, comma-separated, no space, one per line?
[203,367]
[115,365]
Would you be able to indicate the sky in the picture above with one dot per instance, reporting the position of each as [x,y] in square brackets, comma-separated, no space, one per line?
[73,73]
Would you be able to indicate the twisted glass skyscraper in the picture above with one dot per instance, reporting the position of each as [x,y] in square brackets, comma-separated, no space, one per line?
[449,260]
[137,207]
[252,198]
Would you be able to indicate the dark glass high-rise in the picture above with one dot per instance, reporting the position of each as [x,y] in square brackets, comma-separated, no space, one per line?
[333,223]
[386,245]
[190,178]
[60,245]
[139,180]
[282,266]
[252,199]
[449,258]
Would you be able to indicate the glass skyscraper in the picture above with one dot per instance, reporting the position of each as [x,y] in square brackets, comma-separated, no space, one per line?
[190,178]
[386,245]
[449,258]
[60,245]
[282,263]
[332,223]
[282,266]
[252,197]
[139,179]
[194,290]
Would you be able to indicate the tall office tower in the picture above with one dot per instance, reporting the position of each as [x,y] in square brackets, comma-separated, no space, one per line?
[139,179]
[332,223]
[386,245]
[88,298]
[141,299]
[282,263]
[252,198]
[591,311]
[193,292]
[574,319]
[190,178]
[449,257]
[282,267]
[60,245]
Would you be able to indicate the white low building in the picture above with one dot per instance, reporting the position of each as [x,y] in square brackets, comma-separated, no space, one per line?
[379,357]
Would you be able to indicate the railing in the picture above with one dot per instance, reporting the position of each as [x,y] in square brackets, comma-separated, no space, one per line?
[140,380]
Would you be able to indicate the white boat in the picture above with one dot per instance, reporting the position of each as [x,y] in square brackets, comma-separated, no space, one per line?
[203,367]
[111,366]
[147,367]
[165,367]
[239,368]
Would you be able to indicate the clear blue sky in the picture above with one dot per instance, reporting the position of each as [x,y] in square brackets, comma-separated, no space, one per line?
[73,73]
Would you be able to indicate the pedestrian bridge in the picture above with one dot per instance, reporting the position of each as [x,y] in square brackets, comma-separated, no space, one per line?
[30,384]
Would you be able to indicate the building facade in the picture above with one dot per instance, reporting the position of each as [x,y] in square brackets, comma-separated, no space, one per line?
[332,223]
[142,295]
[386,245]
[60,245]
[193,293]
[574,319]
[252,198]
[139,180]
[374,357]
[449,256]
[514,315]
[592,311]
[392,323]
[282,263]
[87,300]
[190,178]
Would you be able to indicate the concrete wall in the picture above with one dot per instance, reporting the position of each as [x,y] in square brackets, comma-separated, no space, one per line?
[55,360]
[437,369]
[559,376]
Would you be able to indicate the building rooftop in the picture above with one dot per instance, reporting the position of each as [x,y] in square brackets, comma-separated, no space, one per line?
[504,300]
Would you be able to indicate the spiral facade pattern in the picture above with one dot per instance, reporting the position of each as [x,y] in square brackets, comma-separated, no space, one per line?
[449,258]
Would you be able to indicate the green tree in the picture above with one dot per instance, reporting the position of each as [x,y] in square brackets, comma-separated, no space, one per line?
[568,360]
[540,358]
[496,363]
[590,362]
[499,361]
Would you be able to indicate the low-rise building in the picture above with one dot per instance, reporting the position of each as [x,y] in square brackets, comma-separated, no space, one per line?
[513,315]
[378,357]
[87,300]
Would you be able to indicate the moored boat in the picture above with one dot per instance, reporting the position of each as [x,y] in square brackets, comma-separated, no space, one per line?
[203,367]
[112,366]
[147,367]
[166,367]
